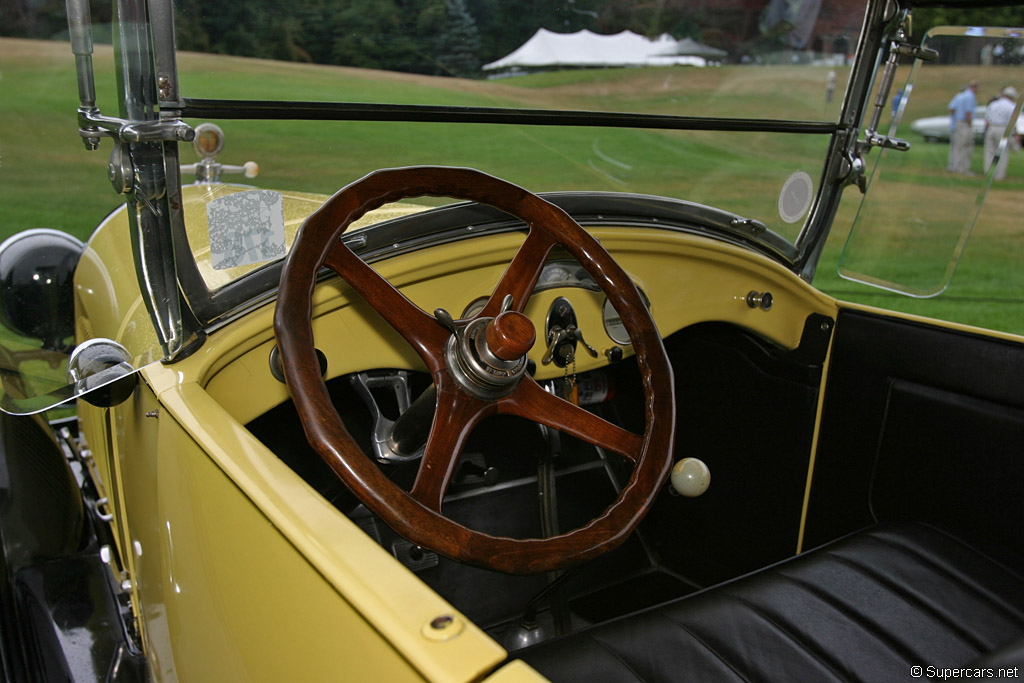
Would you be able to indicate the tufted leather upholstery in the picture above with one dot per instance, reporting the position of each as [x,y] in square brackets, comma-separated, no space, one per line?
[865,608]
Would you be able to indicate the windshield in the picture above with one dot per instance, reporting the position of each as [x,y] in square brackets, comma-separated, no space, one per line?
[603,55]
[567,96]
[938,230]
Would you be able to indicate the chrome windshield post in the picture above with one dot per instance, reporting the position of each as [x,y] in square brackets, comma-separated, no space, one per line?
[144,162]
[152,239]
[880,21]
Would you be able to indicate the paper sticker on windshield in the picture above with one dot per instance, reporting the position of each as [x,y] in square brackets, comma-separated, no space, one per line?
[246,228]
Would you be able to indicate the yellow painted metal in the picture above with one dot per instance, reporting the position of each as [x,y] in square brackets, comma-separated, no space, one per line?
[687,279]
[224,594]
[241,570]
[390,598]
[816,433]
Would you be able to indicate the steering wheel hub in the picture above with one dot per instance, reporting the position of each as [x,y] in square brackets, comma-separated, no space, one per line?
[476,368]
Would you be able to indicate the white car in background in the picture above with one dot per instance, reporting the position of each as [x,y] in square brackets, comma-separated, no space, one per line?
[936,128]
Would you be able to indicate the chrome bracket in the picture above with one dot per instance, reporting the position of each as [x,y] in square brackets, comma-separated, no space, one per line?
[384,447]
[852,171]
[899,46]
[92,125]
[885,142]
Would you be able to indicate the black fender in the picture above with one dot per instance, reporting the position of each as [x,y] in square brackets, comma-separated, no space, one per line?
[42,515]
[62,614]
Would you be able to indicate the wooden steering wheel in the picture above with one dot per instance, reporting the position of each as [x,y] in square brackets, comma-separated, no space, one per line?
[478,370]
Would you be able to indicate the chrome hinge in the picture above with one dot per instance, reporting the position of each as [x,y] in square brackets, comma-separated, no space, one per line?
[93,125]
[852,169]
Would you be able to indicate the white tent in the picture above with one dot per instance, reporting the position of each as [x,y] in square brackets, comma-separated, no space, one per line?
[587,49]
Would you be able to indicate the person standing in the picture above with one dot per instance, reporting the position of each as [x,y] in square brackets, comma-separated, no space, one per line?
[997,117]
[961,136]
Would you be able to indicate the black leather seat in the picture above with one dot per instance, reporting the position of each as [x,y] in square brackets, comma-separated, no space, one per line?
[868,607]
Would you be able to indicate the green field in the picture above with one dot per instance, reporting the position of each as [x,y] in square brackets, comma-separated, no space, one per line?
[48,179]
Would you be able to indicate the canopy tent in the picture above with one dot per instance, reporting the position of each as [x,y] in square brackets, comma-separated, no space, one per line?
[587,49]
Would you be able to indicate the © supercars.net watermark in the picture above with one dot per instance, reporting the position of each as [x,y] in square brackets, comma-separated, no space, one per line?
[943,673]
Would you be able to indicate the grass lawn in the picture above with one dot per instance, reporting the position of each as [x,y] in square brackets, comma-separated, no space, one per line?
[48,179]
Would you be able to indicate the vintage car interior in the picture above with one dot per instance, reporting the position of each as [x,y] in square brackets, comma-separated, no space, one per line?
[514,435]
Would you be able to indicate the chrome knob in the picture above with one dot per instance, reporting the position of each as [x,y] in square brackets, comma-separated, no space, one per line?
[763,301]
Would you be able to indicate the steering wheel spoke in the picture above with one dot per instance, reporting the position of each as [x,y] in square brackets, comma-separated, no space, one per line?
[532,402]
[419,328]
[454,419]
[522,274]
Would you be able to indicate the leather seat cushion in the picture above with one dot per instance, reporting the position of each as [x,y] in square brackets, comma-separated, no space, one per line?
[865,608]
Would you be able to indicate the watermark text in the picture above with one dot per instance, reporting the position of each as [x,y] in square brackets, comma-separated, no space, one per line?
[944,673]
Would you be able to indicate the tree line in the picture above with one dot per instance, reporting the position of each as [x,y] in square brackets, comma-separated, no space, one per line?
[436,37]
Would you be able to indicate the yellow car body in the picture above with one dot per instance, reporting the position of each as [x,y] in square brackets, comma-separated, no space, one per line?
[833,487]
[223,540]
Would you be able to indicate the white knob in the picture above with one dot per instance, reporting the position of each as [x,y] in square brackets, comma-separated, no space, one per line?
[251,169]
[691,477]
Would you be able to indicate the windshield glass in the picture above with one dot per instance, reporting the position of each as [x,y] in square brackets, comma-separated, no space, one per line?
[925,201]
[940,222]
[743,62]
[605,55]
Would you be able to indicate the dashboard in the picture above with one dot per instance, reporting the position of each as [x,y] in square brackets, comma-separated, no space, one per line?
[685,279]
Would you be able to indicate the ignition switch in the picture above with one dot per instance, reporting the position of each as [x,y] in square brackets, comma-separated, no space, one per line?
[563,335]
[561,347]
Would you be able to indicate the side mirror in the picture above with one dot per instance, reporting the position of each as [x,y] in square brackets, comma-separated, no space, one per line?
[102,372]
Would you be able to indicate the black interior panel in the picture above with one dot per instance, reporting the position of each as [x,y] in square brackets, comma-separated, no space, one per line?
[944,457]
[920,422]
[747,408]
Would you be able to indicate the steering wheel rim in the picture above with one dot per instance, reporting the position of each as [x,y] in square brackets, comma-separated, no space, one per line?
[416,515]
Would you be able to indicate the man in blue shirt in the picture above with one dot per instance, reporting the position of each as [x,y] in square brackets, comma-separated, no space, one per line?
[961,135]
